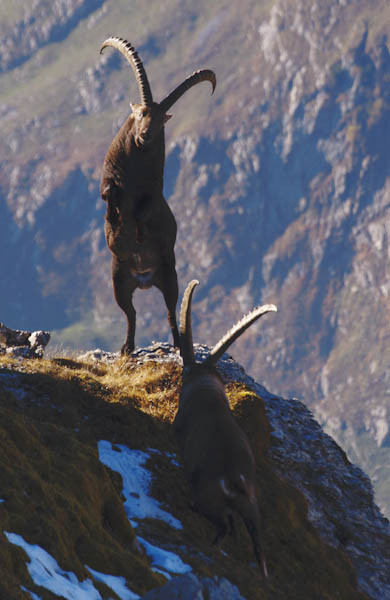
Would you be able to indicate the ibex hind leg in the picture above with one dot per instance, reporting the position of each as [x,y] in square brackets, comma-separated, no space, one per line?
[232,526]
[215,516]
[222,529]
[124,286]
[220,523]
[170,290]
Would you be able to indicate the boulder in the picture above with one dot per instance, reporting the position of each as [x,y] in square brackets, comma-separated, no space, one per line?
[26,344]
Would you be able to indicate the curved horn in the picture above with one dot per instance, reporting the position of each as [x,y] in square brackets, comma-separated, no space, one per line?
[237,330]
[132,57]
[186,345]
[197,77]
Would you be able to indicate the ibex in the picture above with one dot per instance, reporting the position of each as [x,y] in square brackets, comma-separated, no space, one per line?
[140,228]
[218,460]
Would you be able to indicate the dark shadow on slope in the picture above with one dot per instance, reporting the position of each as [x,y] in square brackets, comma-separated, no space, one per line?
[60,496]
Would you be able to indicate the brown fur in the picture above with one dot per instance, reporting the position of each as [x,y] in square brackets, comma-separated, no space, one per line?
[218,460]
[140,228]
[217,457]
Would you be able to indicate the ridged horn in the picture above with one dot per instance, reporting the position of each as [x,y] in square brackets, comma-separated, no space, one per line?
[186,345]
[237,330]
[197,77]
[132,57]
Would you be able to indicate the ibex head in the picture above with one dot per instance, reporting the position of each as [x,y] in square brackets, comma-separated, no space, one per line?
[149,116]
[148,122]
[186,345]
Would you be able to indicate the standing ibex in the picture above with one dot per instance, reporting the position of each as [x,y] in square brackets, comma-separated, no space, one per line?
[139,225]
[218,460]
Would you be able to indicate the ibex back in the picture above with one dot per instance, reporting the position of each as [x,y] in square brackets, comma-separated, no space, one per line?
[139,225]
[217,457]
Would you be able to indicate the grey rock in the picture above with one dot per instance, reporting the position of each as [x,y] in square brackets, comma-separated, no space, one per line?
[25,344]
[190,587]
[180,588]
[38,340]
[99,355]
[219,588]
[20,352]
[13,337]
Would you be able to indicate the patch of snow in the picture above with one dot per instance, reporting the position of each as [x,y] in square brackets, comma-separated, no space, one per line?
[136,482]
[33,596]
[117,584]
[171,455]
[163,561]
[45,572]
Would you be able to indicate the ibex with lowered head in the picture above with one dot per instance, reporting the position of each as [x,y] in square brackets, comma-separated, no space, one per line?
[218,460]
[140,228]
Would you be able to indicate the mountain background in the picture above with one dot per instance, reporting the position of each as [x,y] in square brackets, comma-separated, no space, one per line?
[280,184]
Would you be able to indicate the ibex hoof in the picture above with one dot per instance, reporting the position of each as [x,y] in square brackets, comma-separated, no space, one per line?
[127,349]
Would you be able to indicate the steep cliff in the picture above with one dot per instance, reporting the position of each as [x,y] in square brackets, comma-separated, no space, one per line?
[279,183]
[94,503]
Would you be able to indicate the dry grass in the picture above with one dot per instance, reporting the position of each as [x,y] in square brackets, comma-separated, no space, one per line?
[58,495]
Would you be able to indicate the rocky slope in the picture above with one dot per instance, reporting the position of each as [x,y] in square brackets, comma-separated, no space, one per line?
[279,183]
[94,503]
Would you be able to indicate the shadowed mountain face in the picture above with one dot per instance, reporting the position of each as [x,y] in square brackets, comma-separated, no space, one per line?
[279,183]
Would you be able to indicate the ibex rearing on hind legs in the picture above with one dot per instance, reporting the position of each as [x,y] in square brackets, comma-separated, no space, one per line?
[218,460]
[140,228]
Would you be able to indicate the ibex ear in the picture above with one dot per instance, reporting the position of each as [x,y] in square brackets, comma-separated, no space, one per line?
[167,117]
[133,106]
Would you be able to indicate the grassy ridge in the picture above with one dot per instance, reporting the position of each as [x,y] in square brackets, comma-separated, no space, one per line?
[58,495]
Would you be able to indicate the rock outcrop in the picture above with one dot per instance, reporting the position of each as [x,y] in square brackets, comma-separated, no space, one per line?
[27,344]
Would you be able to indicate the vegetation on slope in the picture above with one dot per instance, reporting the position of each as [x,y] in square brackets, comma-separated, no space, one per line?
[58,495]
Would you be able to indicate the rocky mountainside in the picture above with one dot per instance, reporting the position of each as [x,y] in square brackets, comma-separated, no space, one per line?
[279,183]
[94,503]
